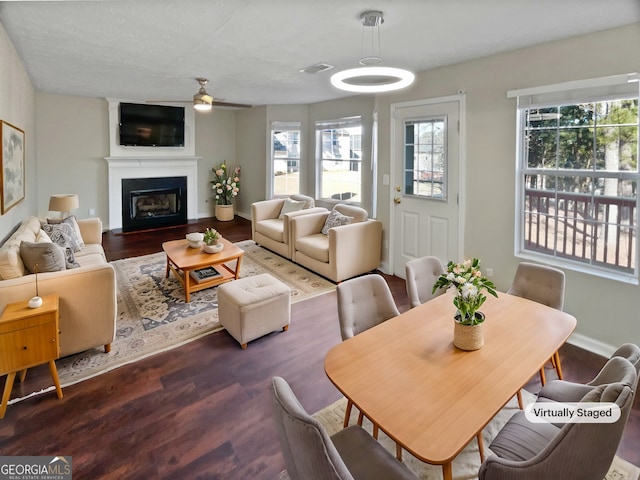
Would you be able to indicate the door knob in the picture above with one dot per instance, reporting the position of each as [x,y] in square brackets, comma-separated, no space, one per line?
[397,200]
[398,188]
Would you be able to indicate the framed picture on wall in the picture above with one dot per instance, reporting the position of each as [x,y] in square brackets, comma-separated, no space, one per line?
[12,173]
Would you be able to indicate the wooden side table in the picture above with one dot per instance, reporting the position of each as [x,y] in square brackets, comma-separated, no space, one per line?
[28,337]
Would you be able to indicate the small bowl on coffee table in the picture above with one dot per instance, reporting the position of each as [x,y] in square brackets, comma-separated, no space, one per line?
[195,239]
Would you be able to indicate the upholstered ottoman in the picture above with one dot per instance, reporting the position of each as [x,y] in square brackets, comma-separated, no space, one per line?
[254,306]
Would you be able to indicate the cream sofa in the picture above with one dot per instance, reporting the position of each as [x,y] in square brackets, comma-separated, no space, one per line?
[272,232]
[87,294]
[346,251]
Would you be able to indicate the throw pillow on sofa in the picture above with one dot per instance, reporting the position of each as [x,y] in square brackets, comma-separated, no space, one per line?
[335,219]
[48,257]
[291,206]
[75,233]
[42,237]
[62,235]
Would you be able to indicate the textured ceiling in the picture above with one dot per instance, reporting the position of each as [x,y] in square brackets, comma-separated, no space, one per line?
[252,50]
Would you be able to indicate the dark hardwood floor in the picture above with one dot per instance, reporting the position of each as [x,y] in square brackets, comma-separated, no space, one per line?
[203,411]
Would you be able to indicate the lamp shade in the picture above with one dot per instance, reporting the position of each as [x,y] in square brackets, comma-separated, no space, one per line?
[63,202]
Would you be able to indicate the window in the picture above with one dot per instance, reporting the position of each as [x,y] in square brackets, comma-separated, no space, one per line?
[285,157]
[425,158]
[339,155]
[578,178]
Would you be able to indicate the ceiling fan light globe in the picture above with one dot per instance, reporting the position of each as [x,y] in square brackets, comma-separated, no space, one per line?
[202,100]
[201,106]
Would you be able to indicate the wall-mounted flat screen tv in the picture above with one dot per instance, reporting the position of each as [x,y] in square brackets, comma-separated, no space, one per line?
[144,125]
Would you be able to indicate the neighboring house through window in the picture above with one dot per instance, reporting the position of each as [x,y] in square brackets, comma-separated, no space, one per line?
[339,159]
[577,175]
[285,158]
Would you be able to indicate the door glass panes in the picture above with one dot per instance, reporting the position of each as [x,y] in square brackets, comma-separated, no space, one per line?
[285,153]
[425,158]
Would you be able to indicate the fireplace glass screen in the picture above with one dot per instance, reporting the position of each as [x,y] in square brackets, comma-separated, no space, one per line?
[153,204]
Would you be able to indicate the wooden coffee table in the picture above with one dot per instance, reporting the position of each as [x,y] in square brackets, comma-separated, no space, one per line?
[182,259]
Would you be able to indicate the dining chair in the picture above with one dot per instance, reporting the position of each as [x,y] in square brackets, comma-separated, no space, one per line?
[565,391]
[525,450]
[421,274]
[544,285]
[631,352]
[363,302]
[311,454]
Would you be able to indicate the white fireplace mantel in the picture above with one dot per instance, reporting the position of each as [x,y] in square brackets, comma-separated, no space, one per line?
[149,167]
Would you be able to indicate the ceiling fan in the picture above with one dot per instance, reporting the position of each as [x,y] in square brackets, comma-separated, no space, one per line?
[202,101]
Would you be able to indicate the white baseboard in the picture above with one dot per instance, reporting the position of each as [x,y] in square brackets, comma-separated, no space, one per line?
[384,268]
[591,345]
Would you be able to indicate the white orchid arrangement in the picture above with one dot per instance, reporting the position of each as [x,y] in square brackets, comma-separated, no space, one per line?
[225,185]
[469,283]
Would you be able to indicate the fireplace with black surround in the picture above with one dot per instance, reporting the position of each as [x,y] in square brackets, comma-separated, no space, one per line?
[153,202]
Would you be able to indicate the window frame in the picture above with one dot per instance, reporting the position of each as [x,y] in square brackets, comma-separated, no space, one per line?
[320,127]
[571,93]
[295,126]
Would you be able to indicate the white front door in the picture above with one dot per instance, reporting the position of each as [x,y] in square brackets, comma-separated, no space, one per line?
[426,163]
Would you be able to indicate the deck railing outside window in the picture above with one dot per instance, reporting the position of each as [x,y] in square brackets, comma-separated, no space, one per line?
[596,230]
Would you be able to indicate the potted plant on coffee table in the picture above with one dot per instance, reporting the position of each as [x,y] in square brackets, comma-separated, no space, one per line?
[211,241]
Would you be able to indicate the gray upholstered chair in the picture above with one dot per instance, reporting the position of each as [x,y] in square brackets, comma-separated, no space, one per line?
[421,274]
[544,285]
[524,450]
[310,454]
[363,302]
[564,391]
[631,352]
[271,221]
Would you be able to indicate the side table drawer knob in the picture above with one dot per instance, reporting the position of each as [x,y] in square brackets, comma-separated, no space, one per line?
[24,348]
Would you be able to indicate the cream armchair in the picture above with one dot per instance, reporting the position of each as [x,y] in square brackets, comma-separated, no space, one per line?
[346,250]
[273,232]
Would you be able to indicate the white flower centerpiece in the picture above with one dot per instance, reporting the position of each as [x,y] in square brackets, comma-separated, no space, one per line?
[467,283]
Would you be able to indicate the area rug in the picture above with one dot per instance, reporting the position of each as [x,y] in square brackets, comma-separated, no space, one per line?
[467,463]
[153,316]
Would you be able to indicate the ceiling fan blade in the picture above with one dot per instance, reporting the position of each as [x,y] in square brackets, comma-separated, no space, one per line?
[214,102]
[231,104]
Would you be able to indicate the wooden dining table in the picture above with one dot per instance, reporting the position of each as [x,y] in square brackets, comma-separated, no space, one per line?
[430,397]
